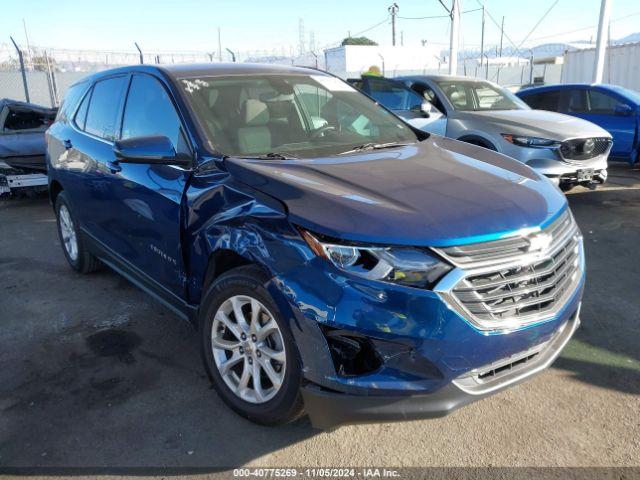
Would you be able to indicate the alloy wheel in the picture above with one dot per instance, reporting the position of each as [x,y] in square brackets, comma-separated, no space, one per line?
[248,349]
[68,232]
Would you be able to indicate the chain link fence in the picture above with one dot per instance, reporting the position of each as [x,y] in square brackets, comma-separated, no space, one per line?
[512,77]
[45,74]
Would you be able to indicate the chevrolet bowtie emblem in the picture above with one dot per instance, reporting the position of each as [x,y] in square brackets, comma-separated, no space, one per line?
[539,242]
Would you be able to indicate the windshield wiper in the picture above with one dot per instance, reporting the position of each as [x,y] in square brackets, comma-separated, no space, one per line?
[374,146]
[273,156]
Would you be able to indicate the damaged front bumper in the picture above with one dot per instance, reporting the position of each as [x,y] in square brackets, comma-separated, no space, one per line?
[329,409]
[374,351]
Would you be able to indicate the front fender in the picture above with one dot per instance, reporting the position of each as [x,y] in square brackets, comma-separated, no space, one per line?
[222,213]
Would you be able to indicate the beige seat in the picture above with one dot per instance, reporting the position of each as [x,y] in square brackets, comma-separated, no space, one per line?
[458,99]
[254,136]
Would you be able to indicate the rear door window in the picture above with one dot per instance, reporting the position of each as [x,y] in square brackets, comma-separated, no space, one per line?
[104,107]
[601,103]
[577,101]
[150,111]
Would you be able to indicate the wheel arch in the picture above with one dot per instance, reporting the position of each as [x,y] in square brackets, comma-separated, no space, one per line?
[55,187]
[478,140]
[220,262]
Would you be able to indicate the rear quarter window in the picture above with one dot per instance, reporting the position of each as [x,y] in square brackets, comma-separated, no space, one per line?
[70,101]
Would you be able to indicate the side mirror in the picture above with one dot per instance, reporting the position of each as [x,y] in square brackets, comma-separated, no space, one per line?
[156,150]
[623,109]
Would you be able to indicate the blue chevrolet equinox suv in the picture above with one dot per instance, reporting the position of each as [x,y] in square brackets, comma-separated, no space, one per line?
[334,259]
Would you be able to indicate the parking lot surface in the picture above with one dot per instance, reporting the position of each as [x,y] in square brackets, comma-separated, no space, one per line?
[95,374]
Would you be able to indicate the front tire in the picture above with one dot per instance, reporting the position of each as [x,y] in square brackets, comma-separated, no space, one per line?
[75,250]
[248,350]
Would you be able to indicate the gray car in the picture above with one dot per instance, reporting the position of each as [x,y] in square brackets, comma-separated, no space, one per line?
[568,150]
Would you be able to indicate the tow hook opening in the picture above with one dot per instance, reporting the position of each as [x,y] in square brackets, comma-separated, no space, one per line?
[352,354]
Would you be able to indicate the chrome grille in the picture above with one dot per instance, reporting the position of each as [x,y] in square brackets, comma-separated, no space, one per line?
[584,148]
[519,280]
[507,249]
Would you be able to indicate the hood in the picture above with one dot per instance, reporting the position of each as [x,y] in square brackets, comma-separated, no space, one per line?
[539,123]
[436,193]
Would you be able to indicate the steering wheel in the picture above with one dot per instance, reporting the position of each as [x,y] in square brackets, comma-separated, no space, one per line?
[318,132]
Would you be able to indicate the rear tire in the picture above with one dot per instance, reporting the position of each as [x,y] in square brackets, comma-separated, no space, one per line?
[260,344]
[75,250]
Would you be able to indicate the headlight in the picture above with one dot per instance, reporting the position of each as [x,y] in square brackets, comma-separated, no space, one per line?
[534,142]
[411,267]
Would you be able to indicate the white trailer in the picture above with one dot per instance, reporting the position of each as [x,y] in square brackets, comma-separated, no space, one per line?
[621,66]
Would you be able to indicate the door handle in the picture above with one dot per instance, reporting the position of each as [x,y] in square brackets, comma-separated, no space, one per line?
[67,144]
[114,167]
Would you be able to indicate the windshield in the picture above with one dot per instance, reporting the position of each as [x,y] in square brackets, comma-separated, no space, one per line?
[477,96]
[630,94]
[301,116]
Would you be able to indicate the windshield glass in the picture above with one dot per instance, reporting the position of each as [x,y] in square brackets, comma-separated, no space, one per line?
[631,94]
[475,96]
[302,116]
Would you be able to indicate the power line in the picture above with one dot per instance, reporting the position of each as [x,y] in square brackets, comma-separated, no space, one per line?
[330,45]
[372,27]
[480,2]
[539,22]
[586,28]
[437,16]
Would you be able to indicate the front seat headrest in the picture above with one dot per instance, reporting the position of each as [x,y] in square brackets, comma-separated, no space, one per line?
[255,113]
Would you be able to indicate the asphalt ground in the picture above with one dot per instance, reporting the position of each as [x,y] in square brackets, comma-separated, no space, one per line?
[95,375]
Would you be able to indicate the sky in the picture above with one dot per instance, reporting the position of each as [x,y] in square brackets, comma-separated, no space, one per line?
[256,25]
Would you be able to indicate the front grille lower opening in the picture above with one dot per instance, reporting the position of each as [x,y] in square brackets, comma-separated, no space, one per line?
[506,367]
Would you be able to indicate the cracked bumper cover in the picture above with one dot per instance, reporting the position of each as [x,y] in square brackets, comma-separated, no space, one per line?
[329,409]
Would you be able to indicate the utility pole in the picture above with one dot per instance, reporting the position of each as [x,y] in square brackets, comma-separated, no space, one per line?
[301,35]
[601,41]
[312,41]
[453,43]
[219,46]
[501,31]
[393,10]
[482,40]
[402,38]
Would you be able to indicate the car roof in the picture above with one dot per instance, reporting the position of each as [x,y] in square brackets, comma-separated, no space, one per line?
[185,70]
[568,86]
[439,78]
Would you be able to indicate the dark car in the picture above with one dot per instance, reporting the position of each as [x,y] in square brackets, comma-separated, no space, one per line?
[22,127]
[614,108]
[333,258]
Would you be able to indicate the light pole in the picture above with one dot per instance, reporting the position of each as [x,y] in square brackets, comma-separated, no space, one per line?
[453,41]
[601,41]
